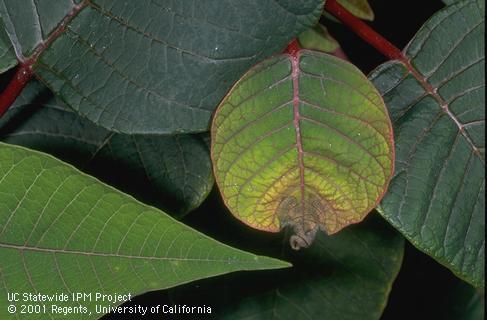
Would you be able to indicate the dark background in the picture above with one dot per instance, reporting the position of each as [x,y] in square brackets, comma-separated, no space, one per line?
[423,287]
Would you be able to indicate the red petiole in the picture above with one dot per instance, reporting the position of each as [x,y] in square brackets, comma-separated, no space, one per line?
[363,30]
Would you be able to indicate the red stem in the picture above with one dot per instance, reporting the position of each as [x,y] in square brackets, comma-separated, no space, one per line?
[293,47]
[24,72]
[14,88]
[363,30]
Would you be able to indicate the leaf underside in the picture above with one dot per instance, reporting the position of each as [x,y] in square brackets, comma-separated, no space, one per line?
[171,172]
[145,66]
[304,142]
[437,195]
[63,231]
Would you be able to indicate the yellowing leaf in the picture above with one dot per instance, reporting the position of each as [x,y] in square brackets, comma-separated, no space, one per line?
[302,141]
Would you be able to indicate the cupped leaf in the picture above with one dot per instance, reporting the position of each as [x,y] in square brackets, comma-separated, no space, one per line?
[437,103]
[302,140]
[150,66]
[172,172]
[318,38]
[63,231]
[345,276]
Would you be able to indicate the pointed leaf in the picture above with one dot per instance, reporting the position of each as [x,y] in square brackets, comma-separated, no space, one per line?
[347,276]
[150,66]
[302,141]
[63,231]
[172,172]
[437,102]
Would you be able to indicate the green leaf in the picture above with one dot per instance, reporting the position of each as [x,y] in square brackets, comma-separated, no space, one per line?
[172,172]
[437,103]
[359,8]
[464,303]
[151,66]
[7,54]
[318,38]
[345,276]
[449,2]
[63,231]
[302,141]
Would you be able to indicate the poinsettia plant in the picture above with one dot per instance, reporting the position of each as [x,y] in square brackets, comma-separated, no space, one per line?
[118,118]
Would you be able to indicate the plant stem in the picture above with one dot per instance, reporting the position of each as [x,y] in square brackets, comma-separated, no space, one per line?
[363,30]
[14,88]
[25,70]
[292,47]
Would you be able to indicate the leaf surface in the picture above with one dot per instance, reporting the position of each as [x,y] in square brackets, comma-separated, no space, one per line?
[318,38]
[437,103]
[359,8]
[64,231]
[150,66]
[347,276]
[7,55]
[464,303]
[303,141]
[448,2]
[172,172]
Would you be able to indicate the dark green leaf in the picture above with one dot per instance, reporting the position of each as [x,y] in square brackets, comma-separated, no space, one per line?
[151,66]
[345,276]
[7,54]
[62,231]
[173,172]
[448,2]
[437,102]
[464,303]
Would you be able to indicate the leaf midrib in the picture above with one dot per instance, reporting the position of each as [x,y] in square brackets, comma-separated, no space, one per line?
[295,70]
[433,92]
[76,9]
[112,255]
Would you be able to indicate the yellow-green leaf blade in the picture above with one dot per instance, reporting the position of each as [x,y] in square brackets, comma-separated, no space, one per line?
[302,141]
[318,38]
[63,231]
[359,8]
